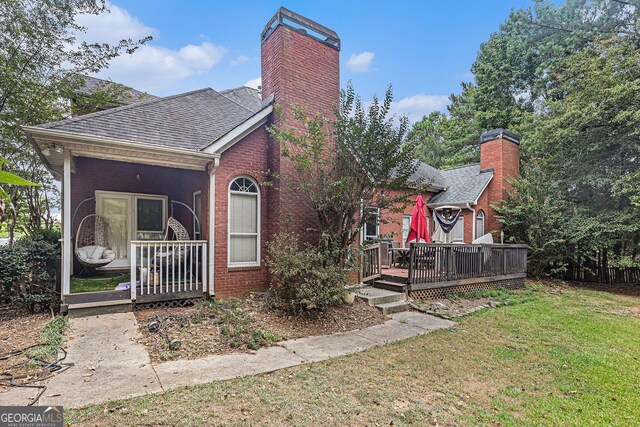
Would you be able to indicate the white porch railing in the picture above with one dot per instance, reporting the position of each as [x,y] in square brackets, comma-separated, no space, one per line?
[168,267]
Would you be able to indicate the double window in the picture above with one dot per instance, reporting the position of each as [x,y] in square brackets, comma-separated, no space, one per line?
[244,222]
[456,235]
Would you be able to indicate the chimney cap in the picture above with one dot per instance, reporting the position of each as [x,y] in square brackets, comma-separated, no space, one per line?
[499,133]
[311,28]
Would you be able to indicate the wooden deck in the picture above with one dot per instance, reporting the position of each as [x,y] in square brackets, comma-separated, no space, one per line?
[447,268]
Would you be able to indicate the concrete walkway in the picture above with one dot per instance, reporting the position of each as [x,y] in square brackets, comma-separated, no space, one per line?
[111,364]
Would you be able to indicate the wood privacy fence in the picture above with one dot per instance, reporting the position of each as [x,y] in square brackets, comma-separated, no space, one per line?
[433,263]
[596,272]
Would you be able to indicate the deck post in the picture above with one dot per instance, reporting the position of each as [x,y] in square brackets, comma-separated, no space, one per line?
[66,224]
[133,271]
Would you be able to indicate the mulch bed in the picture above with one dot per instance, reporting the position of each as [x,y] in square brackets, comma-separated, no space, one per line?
[241,325]
[18,330]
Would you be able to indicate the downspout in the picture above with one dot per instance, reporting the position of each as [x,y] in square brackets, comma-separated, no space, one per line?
[212,168]
[473,222]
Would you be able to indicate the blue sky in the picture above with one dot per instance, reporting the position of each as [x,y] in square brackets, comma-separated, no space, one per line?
[423,48]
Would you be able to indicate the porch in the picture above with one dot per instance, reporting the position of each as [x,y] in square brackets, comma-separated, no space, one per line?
[152,202]
[436,270]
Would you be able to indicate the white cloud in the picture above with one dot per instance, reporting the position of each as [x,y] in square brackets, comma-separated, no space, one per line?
[151,68]
[156,69]
[416,106]
[254,83]
[360,62]
[112,27]
[239,60]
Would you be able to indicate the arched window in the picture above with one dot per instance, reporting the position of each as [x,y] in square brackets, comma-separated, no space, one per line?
[480,224]
[244,222]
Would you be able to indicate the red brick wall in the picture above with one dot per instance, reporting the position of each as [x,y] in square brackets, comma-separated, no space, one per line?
[299,71]
[503,156]
[177,184]
[247,157]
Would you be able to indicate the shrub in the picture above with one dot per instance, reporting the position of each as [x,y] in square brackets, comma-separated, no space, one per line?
[29,269]
[303,280]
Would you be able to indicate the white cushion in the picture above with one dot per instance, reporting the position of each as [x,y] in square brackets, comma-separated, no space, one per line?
[108,253]
[97,252]
[86,252]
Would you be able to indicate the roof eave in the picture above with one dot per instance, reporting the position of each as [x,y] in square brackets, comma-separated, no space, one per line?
[94,146]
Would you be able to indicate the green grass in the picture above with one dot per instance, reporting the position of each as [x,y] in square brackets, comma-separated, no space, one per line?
[545,359]
[51,338]
[111,280]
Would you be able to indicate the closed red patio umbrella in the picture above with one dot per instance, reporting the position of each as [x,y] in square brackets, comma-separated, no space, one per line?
[418,229]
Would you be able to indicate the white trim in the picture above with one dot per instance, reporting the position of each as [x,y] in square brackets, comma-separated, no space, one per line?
[66,225]
[212,229]
[82,145]
[236,134]
[475,202]
[258,196]
[199,221]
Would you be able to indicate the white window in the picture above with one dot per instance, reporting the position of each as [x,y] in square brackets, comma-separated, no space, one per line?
[197,209]
[480,224]
[456,235]
[372,225]
[406,226]
[244,222]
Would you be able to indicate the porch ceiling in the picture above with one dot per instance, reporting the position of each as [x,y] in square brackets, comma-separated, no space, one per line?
[47,140]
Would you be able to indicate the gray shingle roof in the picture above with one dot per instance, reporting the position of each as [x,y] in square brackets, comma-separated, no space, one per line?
[427,175]
[248,97]
[190,120]
[463,185]
[92,85]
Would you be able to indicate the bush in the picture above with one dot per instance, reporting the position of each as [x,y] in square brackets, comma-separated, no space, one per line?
[303,280]
[29,269]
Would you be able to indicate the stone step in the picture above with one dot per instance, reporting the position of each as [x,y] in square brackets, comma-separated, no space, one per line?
[100,307]
[393,307]
[390,286]
[375,296]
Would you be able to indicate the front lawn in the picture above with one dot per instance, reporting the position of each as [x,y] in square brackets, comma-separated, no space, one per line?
[556,356]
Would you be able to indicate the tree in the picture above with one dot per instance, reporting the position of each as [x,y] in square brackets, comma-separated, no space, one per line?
[514,69]
[357,159]
[41,65]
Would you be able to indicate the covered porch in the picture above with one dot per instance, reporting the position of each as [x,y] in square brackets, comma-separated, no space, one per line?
[135,219]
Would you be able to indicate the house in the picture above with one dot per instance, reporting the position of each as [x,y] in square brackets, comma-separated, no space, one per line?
[200,158]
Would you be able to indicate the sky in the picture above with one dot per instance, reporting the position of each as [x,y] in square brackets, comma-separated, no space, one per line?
[424,49]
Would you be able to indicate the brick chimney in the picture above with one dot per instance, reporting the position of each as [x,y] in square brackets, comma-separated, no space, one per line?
[500,151]
[300,67]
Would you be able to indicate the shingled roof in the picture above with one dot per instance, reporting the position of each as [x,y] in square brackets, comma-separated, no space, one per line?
[91,85]
[463,185]
[247,97]
[191,120]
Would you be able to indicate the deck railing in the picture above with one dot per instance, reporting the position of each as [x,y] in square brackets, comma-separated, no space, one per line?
[370,262]
[172,267]
[430,263]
